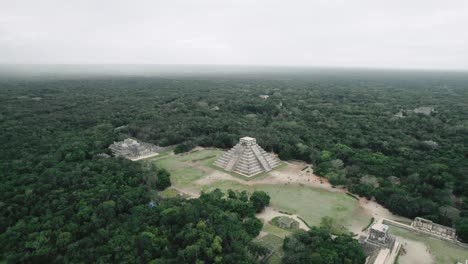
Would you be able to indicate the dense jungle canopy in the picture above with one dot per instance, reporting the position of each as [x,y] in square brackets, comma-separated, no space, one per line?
[60,202]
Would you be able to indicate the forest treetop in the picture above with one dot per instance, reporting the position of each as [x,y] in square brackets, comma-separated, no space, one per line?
[344,123]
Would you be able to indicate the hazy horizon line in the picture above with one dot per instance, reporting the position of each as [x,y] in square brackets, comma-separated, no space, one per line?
[303,66]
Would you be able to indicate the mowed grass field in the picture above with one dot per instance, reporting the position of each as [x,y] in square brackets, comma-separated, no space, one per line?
[443,252]
[308,202]
[185,168]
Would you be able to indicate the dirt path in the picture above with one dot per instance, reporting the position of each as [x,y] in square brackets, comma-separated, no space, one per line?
[378,211]
[269,213]
[215,176]
[372,209]
[416,252]
[294,174]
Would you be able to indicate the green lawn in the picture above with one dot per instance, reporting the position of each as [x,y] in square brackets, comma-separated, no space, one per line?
[186,168]
[310,203]
[171,193]
[444,252]
[269,228]
[160,156]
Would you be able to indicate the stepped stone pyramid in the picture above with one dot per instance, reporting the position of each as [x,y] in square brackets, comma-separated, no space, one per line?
[247,158]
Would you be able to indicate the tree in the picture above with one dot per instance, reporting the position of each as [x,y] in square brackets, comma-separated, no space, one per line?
[232,194]
[184,147]
[462,229]
[163,179]
[316,246]
[260,200]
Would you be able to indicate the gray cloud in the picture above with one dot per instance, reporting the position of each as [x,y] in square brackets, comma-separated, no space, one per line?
[362,33]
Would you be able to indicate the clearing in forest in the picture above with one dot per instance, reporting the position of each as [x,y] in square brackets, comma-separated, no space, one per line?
[296,193]
[292,190]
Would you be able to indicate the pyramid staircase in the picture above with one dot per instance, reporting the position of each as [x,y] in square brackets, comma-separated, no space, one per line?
[247,158]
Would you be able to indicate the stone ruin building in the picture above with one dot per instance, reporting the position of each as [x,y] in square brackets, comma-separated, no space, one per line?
[247,158]
[378,233]
[134,150]
[287,222]
[102,155]
[425,110]
[379,246]
[433,228]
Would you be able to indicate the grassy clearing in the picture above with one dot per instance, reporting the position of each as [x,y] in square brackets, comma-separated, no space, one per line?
[274,243]
[186,169]
[310,203]
[279,232]
[271,241]
[160,156]
[276,257]
[443,252]
[171,193]
[199,155]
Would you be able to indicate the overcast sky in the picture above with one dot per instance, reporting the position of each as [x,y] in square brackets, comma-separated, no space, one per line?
[348,33]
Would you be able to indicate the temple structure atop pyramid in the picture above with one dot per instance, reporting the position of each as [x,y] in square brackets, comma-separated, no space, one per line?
[247,158]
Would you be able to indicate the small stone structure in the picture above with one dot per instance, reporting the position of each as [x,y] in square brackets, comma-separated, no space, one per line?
[400,114]
[133,150]
[247,158]
[287,222]
[379,247]
[102,155]
[431,143]
[429,226]
[425,110]
[264,96]
[379,234]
